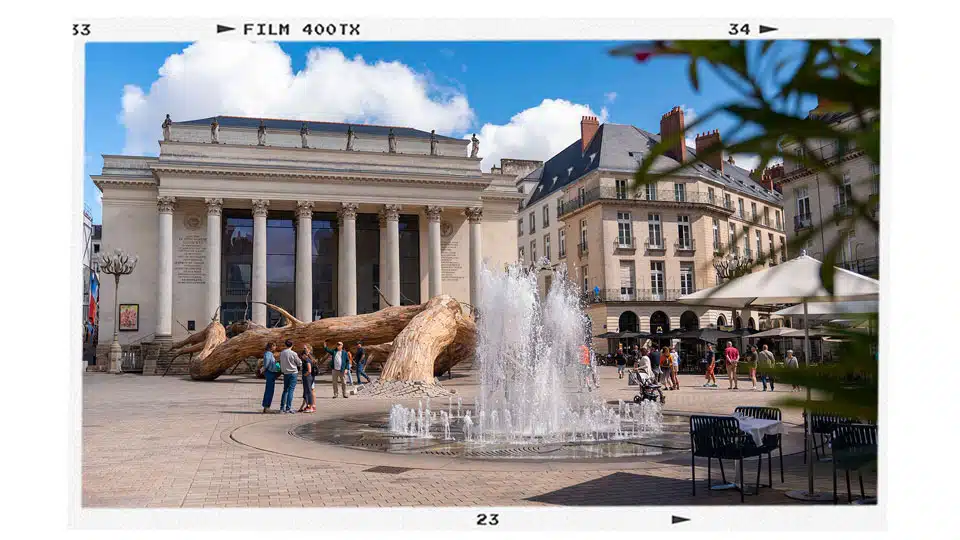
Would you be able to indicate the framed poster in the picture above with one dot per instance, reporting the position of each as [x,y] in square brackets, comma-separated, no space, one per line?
[129,317]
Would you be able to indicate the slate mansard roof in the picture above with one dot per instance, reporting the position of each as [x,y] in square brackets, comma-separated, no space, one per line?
[323,127]
[618,148]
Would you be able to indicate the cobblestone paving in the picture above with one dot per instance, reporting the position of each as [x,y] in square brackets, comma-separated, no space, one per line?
[164,442]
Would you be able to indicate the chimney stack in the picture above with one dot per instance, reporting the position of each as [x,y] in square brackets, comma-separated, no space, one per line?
[588,128]
[672,129]
[710,142]
[770,174]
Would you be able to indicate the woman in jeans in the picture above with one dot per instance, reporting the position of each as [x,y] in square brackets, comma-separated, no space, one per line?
[309,375]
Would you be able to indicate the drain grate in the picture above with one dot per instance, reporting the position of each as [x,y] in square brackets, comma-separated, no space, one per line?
[387,470]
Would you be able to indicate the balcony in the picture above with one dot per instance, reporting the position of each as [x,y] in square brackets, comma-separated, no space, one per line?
[690,245]
[869,266]
[766,221]
[843,209]
[662,197]
[582,249]
[632,295]
[719,248]
[625,244]
[803,221]
[659,245]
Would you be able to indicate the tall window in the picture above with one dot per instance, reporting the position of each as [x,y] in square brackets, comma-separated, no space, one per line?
[533,222]
[559,207]
[766,216]
[773,252]
[533,251]
[546,246]
[759,245]
[651,191]
[624,231]
[847,248]
[726,201]
[546,216]
[683,232]
[686,278]
[845,191]
[740,208]
[520,254]
[733,239]
[776,214]
[586,279]
[679,192]
[627,279]
[520,226]
[581,194]
[716,234]
[753,211]
[655,234]
[710,198]
[583,233]
[803,203]
[783,247]
[621,189]
[656,279]
[746,243]
[562,243]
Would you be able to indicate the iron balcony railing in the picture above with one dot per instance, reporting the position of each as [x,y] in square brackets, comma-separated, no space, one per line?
[656,244]
[803,221]
[633,295]
[689,245]
[843,209]
[623,243]
[661,196]
[582,249]
[869,266]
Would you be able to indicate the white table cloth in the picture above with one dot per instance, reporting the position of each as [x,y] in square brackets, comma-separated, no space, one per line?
[758,427]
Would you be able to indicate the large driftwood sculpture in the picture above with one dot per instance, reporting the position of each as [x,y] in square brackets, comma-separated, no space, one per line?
[440,338]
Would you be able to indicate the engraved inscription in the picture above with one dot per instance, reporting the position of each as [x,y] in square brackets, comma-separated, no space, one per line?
[450,266]
[191,260]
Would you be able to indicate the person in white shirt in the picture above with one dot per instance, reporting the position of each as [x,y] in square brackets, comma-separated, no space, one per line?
[644,371]
[339,362]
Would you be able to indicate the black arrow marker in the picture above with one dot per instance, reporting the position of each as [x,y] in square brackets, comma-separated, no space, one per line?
[221,28]
[765,29]
[678,519]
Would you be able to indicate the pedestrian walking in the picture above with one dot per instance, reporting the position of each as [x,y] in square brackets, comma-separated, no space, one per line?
[339,362]
[751,358]
[290,365]
[655,362]
[584,369]
[666,367]
[270,371]
[361,362]
[674,367]
[309,375]
[767,362]
[732,356]
[621,362]
[792,363]
[711,358]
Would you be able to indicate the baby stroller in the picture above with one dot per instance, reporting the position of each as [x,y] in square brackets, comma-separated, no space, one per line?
[649,390]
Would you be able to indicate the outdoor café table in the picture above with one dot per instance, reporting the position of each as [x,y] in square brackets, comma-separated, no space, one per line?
[756,428]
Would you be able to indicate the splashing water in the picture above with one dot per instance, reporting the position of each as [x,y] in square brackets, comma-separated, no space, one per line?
[528,351]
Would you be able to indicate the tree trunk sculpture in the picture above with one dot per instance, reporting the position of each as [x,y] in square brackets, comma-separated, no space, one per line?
[417,341]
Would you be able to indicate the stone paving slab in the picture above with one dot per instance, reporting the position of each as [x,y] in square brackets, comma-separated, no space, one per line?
[164,442]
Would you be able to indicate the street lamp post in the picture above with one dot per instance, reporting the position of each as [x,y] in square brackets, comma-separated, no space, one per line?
[116,264]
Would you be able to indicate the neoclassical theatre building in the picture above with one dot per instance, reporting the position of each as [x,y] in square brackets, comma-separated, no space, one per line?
[322,219]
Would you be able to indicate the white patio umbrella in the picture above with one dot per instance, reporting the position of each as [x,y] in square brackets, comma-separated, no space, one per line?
[830,309]
[796,281]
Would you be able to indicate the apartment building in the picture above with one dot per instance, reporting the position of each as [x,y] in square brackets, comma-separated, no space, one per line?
[813,200]
[634,252]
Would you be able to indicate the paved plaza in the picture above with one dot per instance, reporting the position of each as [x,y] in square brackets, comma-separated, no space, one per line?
[160,442]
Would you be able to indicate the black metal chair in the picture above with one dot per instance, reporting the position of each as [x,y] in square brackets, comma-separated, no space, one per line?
[770,442]
[719,437]
[854,447]
[823,424]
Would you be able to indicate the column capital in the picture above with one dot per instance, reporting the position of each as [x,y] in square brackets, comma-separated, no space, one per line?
[391,212]
[433,213]
[347,211]
[304,209]
[214,206]
[474,214]
[260,207]
[165,205]
[382,219]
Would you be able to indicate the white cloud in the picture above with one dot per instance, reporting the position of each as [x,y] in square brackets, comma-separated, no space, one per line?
[256,79]
[535,133]
[610,97]
[752,161]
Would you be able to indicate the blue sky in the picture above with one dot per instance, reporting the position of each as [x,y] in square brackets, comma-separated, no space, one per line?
[496,81]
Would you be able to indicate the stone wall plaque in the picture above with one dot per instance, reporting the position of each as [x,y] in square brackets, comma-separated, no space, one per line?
[450,267]
[191,259]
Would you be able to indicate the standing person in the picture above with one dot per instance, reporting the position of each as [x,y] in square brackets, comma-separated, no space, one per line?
[792,363]
[711,358]
[751,358]
[584,378]
[290,365]
[666,362]
[655,362]
[309,375]
[767,361]
[732,356]
[270,370]
[339,361]
[621,362]
[361,361]
[644,369]
[674,367]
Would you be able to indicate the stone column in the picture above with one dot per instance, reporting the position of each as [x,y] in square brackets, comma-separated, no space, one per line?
[433,249]
[347,273]
[382,258]
[475,215]
[165,269]
[214,211]
[392,213]
[259,285]
[304,261]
